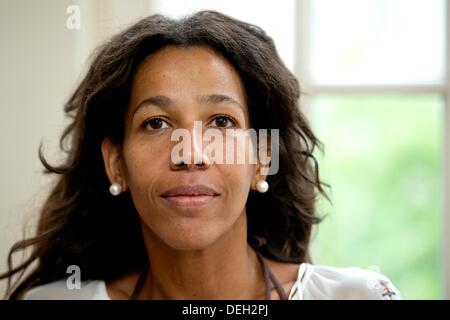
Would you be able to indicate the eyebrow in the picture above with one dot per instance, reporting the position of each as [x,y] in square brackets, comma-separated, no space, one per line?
[163,101]
[218,98]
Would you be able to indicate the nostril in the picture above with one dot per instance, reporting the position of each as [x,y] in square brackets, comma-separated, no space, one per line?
[204,161]
[200,163]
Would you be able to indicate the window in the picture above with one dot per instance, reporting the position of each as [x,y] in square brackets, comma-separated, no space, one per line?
[374,74]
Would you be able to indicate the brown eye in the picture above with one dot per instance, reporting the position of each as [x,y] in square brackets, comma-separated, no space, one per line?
[155,124]
[223,122]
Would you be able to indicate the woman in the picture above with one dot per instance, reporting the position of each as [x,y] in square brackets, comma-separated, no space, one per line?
[138,224]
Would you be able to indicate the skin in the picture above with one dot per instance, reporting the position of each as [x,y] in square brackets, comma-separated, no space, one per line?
[196,252]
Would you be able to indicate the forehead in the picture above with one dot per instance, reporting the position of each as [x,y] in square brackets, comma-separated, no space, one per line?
[180,70]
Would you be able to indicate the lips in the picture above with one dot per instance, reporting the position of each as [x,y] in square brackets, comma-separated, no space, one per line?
[190,195]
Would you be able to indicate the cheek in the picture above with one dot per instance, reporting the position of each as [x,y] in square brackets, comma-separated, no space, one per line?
[144,161]
[241,150]
[238,179]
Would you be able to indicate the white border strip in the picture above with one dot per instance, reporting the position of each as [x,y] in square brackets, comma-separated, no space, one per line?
[446,166]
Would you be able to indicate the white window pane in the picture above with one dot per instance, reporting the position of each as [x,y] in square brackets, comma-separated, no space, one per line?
[378,41]
[277,19]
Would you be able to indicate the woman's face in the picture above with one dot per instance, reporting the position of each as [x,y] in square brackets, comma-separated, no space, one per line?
[187,206]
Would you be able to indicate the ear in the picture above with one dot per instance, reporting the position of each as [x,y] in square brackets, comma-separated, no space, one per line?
[112,154]
[264,155]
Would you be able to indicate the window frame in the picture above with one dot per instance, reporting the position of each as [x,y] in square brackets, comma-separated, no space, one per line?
[302,71]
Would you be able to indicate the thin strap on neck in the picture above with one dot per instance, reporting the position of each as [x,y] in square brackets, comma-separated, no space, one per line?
[139,284]
[266,276]
[269,276]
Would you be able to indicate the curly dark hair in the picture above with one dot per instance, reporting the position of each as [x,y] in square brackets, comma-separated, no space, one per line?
[71,228]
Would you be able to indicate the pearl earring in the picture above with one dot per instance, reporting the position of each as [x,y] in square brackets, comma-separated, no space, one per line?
[115,189]
[262,186]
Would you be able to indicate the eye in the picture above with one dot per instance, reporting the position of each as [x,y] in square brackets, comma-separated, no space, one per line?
[155,123]
[224,121]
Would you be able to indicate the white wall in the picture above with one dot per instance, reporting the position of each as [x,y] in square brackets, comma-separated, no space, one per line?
[37,75]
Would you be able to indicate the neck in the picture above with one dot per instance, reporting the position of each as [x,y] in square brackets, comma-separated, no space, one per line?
[227,269]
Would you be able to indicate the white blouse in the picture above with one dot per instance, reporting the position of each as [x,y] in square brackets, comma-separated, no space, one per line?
[314,282]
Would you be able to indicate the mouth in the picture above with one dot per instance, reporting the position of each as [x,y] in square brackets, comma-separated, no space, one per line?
[190,196]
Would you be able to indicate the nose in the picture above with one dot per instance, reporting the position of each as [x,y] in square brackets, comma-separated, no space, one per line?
[193,156]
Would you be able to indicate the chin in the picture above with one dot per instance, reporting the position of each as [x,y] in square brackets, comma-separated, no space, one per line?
[192,237]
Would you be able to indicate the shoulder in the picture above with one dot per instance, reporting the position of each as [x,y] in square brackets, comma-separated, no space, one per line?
[59,290]
[326,282]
